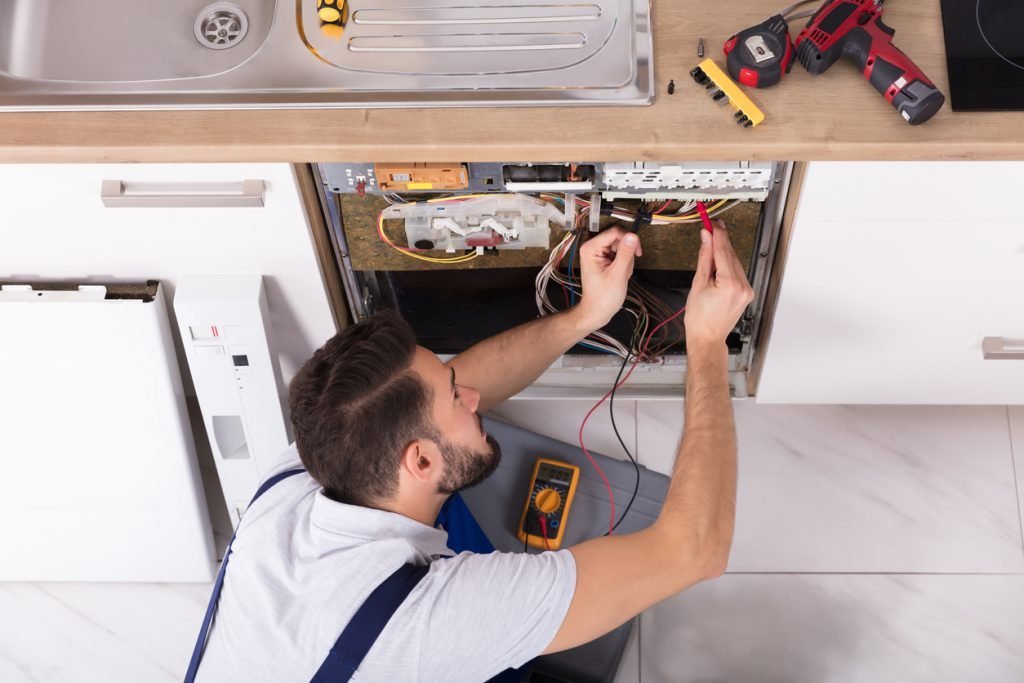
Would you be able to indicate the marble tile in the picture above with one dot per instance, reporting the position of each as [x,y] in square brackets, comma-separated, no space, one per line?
[87,632]
[1017,440]
[561,419]
[786,628]
[863,489]
[629,667]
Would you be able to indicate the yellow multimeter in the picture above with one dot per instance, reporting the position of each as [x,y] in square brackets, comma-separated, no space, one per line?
[552,488]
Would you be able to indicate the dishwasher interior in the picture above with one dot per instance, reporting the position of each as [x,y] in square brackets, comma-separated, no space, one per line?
[467,250]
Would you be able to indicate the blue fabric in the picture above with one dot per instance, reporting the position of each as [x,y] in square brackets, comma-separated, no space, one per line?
[211,608]
[465,534]
[367,624]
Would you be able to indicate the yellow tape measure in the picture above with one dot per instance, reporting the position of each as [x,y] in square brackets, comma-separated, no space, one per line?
[552,489]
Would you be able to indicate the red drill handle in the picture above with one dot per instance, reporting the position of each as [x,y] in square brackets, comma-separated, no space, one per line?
[854,29]
[892,72]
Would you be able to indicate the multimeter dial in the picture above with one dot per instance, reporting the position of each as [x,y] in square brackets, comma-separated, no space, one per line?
[547,500]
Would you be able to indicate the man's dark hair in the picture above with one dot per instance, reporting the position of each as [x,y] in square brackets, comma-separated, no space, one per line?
[355,406]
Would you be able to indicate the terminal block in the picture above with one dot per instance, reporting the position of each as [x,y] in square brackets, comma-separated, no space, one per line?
[652,180]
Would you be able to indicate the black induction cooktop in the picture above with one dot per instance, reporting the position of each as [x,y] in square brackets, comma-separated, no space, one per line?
[985,53]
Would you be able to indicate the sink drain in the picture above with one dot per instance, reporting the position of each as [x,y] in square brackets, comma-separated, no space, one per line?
[221,25]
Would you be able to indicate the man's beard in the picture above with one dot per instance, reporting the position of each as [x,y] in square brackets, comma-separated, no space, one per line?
[465,467]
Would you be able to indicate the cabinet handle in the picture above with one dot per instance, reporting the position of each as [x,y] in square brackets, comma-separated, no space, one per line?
[118,194]
[997,348]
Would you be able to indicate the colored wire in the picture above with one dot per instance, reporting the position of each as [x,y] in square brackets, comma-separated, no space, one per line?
[704,217]
[788,15]
[600,472]
[611,413]
[409,252]
[572,257]
[611,496]
[544,530]
[662,207]
[658,218]
[549,272]
[459,197]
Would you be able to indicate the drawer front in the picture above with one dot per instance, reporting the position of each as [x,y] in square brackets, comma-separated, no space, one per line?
[936,191]
[899,312]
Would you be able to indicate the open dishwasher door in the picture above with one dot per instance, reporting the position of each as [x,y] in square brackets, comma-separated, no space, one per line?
[100,476]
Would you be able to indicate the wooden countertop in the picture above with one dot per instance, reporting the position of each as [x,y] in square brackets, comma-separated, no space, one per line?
[835,116]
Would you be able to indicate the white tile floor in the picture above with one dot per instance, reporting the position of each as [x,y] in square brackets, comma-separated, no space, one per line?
[800,628]
[1017,436]
[873,544]
[863,489]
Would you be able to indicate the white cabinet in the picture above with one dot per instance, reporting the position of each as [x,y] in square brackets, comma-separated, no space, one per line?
[889,292]
[54,226]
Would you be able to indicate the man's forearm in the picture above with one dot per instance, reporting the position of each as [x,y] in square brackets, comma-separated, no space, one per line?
[503,365]
[700,509]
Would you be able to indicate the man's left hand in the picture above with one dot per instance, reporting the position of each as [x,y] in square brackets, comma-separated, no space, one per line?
[606,264]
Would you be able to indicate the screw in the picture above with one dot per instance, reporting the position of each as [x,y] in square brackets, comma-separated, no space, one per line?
[671,87]
[700,47]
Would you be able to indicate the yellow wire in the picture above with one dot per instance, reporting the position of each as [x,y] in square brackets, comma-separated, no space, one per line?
[690,216]
[456,259]
[666,217]
[458,197]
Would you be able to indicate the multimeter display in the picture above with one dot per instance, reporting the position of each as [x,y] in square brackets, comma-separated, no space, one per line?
[552,488]
[554,475]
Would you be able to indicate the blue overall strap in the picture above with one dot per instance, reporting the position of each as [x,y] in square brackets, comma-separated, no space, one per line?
[367,624]
[204,631]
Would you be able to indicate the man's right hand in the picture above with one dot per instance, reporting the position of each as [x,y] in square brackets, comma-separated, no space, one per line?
[720,291]
[619,576]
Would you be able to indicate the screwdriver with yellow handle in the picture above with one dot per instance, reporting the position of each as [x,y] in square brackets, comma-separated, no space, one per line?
[333,16]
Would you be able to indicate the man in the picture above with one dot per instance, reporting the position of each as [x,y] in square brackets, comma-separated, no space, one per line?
[387,432]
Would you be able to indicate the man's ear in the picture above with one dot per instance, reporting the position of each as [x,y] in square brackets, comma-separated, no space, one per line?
[421,460]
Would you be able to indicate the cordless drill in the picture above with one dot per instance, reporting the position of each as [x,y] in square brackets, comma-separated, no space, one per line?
[854,29]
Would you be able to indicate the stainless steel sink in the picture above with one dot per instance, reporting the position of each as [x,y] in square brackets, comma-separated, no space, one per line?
[120,42]
[128,54]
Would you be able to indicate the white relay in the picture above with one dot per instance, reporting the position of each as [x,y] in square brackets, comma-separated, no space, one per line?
[502,221]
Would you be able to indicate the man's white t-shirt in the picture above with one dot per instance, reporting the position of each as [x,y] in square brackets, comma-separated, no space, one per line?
[302,564]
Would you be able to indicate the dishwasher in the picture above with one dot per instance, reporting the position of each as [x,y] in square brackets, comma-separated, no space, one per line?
[467,250]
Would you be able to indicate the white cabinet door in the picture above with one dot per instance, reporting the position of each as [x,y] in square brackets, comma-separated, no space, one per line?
[888,294]
[53,225]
